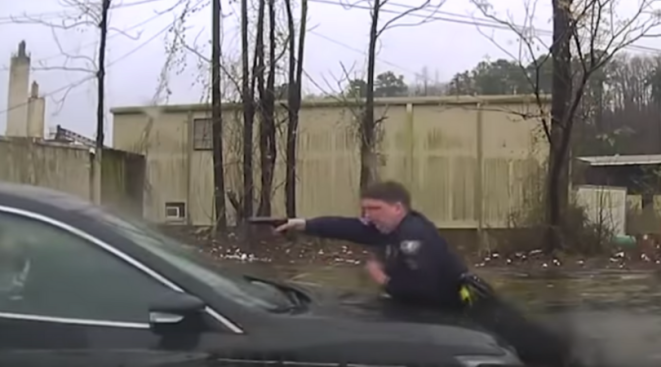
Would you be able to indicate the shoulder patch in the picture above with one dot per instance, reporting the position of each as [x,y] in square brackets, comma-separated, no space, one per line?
[409,247]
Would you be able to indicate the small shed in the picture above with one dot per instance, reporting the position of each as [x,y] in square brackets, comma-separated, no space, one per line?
[639,174]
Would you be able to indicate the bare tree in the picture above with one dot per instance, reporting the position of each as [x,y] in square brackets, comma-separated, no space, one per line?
[255,88]
[96,15]
[230,79]
[217,119]
[295,73]
[101,74]
[369,126]
[248,99]
[259,79]
[625,120]
[267,130]
[560,130]
[586,35]
[258,72]
[81,16]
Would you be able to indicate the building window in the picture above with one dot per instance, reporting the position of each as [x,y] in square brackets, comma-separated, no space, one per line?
[175,211]
[202,134]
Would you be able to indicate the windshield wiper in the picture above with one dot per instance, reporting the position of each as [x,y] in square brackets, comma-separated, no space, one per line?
[297,301]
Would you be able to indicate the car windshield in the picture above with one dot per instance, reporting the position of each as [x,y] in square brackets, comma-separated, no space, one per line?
[193,261]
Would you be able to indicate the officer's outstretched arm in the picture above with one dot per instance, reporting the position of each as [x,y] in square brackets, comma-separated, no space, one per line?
[344,228]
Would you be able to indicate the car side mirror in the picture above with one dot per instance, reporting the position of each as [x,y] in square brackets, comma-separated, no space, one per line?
[174,310]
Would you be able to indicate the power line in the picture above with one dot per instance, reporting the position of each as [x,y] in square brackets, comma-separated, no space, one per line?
[149,20]
[140,46]
[59,14]
[133,3]
[137,25]
[479,22]
[26,18]
[362,52]
[351,48]
[496,24]
[144,22]
[90,77]
[485,22]
[473,22]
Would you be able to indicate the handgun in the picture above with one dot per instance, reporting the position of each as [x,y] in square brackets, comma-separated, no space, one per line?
[269,221]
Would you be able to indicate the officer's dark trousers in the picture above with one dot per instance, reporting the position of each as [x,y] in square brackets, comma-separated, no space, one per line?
[535,343]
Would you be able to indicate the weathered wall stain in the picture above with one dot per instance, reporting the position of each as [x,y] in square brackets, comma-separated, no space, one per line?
[466,160]
[66,167]
[58,166]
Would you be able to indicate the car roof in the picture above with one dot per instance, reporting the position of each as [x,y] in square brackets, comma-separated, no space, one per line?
[42,195]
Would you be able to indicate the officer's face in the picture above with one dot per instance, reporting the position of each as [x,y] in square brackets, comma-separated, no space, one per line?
[385,216]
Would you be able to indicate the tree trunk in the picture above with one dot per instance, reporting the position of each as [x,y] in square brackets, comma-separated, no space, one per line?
[367,131]
[217,121]
[101,75]
[267,138]
[266,106]
[558,177]
[294,102]
[248,116]
[97,157]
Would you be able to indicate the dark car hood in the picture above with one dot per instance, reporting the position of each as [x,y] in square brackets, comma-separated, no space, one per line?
[102,358]
[341,326]
[317,339]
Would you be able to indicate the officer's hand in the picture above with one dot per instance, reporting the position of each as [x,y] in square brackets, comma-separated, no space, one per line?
[375,270]
[294,224]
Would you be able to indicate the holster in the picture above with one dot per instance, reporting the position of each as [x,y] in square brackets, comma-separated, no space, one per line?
[473,289]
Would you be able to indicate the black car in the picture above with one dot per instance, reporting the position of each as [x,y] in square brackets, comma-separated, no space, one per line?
[74,277]
[108,358]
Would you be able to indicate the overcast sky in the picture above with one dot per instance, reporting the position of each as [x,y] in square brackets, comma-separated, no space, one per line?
[337,35]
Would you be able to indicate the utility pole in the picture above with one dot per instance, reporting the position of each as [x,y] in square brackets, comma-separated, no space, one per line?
[95,179]
[217,119]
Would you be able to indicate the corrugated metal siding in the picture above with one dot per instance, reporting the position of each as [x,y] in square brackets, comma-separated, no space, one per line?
[328,173]
[605,206]
[445,146]
[431,148]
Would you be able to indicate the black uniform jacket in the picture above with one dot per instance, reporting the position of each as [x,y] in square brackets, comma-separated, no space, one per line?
[418,261]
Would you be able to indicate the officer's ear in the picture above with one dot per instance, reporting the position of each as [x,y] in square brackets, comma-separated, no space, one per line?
[401,207]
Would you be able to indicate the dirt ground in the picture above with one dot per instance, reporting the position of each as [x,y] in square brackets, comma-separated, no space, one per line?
[270,248]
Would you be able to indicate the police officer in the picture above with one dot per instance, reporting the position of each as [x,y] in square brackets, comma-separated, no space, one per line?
[418,265]
[420,269]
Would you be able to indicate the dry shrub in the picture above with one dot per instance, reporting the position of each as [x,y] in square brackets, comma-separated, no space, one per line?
[527,229]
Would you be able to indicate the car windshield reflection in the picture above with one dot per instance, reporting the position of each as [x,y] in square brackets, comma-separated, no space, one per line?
[199,265]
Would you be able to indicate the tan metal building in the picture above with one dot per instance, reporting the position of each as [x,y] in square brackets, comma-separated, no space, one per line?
[468,161]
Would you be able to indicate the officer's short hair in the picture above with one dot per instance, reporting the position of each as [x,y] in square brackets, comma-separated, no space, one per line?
[391,192]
